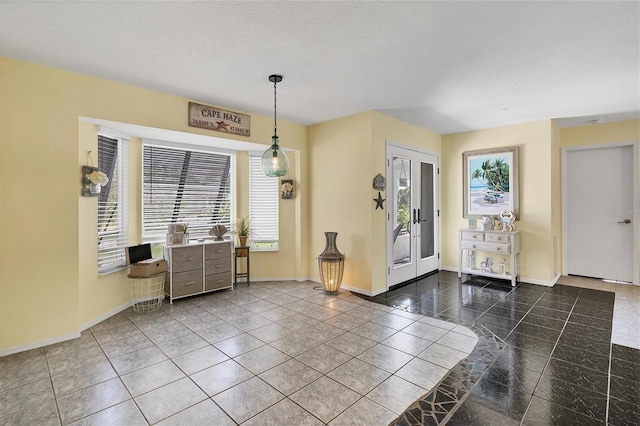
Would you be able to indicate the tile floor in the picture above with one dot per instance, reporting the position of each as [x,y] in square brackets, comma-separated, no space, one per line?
[269,353]
[283,353]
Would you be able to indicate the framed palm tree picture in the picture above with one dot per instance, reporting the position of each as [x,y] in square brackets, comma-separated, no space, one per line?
[490,182]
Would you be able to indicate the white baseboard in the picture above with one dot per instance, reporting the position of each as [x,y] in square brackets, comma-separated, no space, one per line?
[540,282]
[39,344]
[64,337]
[521,279]
[265,279]
[103,317]
[352,289]
[361,291]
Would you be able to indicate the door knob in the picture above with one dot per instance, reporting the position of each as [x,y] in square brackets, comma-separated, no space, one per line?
[625,221]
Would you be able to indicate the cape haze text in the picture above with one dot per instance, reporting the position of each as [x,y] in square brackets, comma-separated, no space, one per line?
[206,117]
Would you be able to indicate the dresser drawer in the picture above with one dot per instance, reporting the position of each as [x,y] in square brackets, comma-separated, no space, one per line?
[216,251]
[497,238]
[472,236]
[217,266]
[482,246]
[185,283]
[186,259]
[213,282]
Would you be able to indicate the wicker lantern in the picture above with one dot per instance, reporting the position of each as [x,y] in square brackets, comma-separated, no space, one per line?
[331,265]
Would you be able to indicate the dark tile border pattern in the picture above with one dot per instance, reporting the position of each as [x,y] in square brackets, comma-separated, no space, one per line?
[566,327]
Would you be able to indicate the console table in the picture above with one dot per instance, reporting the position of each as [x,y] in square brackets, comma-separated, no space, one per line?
[196,268]
[492,242]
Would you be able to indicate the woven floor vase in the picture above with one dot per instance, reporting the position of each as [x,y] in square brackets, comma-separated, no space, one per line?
[331,265]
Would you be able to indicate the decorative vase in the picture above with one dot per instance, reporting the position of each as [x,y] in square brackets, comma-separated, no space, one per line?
[95,188]
[331,265]
[218,231]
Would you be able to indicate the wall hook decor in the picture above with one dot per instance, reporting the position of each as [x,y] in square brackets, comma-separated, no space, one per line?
[92,179]
[286,188]
[379,182]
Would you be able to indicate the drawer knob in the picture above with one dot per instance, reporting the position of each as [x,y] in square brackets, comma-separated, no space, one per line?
[475,236]
[498,248]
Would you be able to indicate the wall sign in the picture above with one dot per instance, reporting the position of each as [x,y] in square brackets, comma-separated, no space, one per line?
[210,118]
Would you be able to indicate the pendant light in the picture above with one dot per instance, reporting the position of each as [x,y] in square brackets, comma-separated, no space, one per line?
[274,160]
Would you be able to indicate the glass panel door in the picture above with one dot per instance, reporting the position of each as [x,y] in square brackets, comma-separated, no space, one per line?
[402,247]
[412,219]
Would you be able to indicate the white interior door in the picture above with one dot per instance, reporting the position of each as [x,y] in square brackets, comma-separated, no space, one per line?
[412,214]
[600,212]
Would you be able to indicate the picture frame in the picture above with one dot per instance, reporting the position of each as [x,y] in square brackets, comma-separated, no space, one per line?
[490,182]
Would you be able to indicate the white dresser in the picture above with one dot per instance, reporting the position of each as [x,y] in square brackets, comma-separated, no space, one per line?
[497,245]
[196,268]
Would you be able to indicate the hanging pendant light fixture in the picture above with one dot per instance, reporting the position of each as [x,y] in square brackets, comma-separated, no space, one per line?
[274,160]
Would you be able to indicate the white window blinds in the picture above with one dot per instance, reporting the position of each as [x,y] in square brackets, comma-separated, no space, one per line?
[263,207]
[184,186]
[113,224]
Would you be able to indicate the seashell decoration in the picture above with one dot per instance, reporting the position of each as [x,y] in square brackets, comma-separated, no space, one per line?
[218,231]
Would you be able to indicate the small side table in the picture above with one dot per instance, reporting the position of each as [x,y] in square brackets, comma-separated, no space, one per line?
[241,252]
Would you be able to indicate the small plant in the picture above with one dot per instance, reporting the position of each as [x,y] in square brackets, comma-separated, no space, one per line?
[185,228]
[243,227]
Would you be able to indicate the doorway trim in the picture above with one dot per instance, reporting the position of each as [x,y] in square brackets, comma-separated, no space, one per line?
[389,261]
[565,237]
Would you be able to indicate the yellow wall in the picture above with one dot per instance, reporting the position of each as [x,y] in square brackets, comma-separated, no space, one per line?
[601,134]
[49,285]
[339,174]
[342,191]
[536,203]
[556,201]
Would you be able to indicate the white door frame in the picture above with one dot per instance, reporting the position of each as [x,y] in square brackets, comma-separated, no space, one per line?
[389,249]
[565,237]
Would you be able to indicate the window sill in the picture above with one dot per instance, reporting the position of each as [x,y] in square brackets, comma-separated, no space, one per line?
[112,270]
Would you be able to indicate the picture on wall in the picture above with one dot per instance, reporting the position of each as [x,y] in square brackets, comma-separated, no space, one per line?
[490,182]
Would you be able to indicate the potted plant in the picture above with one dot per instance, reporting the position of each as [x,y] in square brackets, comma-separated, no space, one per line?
[243,231]
[185,233]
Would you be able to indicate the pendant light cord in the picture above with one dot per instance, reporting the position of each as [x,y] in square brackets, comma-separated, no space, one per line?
[275,120]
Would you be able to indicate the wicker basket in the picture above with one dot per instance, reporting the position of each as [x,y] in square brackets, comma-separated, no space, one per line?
[147,292]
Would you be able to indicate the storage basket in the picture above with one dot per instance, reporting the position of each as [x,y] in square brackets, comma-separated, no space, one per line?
[147,292]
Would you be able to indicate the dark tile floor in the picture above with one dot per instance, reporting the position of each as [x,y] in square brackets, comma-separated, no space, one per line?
[544,355]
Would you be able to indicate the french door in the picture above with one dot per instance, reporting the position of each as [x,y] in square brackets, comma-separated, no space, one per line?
[412,214]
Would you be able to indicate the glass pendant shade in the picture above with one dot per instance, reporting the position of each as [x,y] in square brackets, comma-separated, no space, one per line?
[274,161]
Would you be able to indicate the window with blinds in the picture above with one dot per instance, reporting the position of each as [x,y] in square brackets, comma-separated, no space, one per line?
[184,186]
[113,224]
[263,207]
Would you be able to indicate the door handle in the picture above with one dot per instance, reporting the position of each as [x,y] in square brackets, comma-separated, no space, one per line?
[625,221]
[415,220]
[420,219]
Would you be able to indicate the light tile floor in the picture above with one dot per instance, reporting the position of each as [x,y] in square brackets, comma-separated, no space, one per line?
[272,353]
[626,311]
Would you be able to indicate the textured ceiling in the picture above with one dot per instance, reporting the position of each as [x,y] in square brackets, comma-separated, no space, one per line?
[444,66]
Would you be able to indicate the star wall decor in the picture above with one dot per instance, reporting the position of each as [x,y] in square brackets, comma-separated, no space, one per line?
[379,201]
